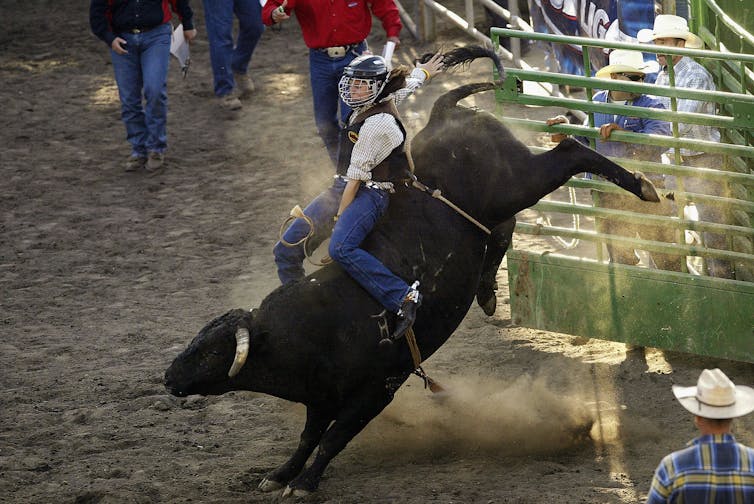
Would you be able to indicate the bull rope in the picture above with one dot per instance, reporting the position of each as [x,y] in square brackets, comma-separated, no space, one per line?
[436,193]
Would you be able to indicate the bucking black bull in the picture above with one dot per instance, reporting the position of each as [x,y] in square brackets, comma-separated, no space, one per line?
[316,341]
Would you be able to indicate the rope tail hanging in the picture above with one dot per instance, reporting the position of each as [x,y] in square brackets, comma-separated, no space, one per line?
[416,357]
[298,213]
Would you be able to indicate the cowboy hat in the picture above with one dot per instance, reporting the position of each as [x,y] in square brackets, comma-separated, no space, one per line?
[622,60]
[669,26]
[715,396]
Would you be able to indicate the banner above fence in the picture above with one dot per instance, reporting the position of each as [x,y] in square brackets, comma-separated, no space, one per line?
[612,20]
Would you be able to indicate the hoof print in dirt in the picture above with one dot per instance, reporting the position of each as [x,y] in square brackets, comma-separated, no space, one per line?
[194,403]
[295,492]
[163,404]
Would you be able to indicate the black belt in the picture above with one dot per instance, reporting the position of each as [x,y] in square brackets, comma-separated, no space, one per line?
[141,30]
[338,51]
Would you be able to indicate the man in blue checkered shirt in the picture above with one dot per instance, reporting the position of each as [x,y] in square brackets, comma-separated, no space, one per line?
[713,468]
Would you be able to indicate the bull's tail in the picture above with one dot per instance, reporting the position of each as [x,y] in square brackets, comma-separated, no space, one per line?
[465,55]
[457,57]
[448,101]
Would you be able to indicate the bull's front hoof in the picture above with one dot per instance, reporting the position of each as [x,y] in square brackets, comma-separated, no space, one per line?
[295,492]
[268,485]
[487,300]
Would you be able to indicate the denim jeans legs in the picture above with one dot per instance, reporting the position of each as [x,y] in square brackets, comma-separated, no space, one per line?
[322,209]
[352,228]
[226,57]
[325,73]
[144,67]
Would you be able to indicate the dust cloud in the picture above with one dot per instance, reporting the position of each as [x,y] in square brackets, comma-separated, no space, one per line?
[480,415]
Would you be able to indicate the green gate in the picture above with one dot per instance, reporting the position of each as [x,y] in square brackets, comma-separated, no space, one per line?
[684,311]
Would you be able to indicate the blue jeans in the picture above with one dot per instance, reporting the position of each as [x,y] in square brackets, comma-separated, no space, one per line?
[322,209]
[324,74]
[226,58]
[144,67]
[353,226]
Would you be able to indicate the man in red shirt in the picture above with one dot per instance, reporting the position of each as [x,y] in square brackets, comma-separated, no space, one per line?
[335,32]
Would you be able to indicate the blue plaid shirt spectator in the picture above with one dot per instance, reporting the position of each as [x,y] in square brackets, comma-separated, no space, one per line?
[691,75]
[712,469]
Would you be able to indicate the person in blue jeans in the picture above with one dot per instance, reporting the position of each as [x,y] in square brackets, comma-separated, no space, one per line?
[138,34]
[335,34]
[372,153]
[322,209]
[230,62]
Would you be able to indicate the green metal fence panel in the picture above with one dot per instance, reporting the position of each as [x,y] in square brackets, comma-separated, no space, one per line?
[640,305]
[673,311]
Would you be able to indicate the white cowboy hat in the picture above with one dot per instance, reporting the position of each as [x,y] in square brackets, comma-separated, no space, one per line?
[669,26]
[622,60]
[715,396]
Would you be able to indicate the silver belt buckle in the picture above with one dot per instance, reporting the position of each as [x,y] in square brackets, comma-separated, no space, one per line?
[336,52]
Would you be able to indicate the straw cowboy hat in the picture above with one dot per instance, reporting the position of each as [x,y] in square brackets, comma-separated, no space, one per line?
[622,60]
[715,396]
[669,26]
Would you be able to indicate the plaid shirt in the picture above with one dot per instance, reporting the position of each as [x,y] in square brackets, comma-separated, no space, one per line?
[691,75]
[712,469]
[379,135]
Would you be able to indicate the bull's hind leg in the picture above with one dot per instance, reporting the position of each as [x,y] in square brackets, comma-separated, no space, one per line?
[317,421]
[497,244]
[575,157]
[359,410]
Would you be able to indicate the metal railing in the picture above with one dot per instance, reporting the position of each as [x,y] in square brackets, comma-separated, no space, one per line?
[735,119]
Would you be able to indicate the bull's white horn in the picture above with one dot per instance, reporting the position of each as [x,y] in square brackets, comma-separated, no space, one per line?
[242,351]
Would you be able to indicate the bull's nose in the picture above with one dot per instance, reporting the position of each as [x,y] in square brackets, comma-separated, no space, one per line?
[170,384]
[173,390]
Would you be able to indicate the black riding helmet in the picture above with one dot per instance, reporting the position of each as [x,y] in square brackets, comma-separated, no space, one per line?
[367,69]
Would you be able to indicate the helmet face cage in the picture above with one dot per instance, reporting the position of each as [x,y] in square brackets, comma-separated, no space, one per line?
[363,80]
[357,92]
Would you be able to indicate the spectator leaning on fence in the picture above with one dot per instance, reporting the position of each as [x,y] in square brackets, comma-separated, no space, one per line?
[335,33]
[713,468]
[629,66]
[673,31]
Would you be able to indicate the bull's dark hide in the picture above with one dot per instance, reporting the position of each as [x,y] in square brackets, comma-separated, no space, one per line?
[315,341]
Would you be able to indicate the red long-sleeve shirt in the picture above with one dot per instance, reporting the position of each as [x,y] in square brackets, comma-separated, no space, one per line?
[328,23]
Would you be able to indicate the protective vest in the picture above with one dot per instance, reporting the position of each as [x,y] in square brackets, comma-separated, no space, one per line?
[395,166]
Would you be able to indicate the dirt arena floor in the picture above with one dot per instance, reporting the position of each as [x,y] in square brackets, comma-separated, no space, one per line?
[105,276]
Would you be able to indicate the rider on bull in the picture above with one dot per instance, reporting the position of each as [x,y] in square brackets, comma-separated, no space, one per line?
[371,153]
